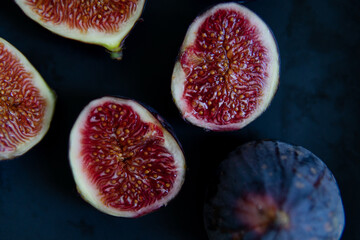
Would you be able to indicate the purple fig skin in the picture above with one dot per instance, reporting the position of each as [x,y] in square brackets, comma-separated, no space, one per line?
[269,190]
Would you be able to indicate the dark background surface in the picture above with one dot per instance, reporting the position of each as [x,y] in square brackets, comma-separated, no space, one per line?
[316,106]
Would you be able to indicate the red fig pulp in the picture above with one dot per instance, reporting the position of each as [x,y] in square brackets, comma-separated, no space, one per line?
[228,69]
[124,161]
[26,103]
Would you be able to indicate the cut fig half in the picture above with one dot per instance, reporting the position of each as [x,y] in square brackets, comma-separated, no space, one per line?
[26,103]
[228,69]
[105,23]
[124,160]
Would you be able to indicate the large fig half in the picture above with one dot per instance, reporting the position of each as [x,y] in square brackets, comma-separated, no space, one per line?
[26,103]
[105,23]
[228,69]
[124,161]
[274,191]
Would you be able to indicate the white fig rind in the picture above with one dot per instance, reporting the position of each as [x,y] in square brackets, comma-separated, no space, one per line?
[87,189]
[45,92]
[268,41]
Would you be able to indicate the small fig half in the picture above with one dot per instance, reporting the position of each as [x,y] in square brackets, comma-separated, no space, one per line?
[272,190]
[124,161]
[26,103]
[105,23]
[228,69]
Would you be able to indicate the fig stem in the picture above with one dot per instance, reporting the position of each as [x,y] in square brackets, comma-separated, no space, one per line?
[117,53]
[282,219]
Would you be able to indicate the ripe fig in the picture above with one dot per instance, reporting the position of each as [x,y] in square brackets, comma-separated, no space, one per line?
[228,69]
[105,23]
[26,103]
[124,160]
[272,190]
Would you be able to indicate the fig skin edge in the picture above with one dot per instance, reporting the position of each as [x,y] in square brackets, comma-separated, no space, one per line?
[86,188]
[44,90]
[113,42]
[267,39]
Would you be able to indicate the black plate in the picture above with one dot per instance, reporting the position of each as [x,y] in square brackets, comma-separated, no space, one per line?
[316,106]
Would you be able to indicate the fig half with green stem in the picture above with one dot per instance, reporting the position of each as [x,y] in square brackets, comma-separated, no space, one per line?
[105,23]
[124,160]
[228,69]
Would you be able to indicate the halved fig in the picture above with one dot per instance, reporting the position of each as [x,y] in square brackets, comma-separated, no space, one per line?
[124,160]
[273,190]
[26,103]
[228,69]
[105,23]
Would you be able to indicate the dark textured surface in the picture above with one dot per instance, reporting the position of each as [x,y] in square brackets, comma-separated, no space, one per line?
[280,178]
[316,106]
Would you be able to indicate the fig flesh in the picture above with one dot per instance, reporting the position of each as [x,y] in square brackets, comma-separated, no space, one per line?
[228,69]
[272,190]
[104,23]
[26,103]
[124,160]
